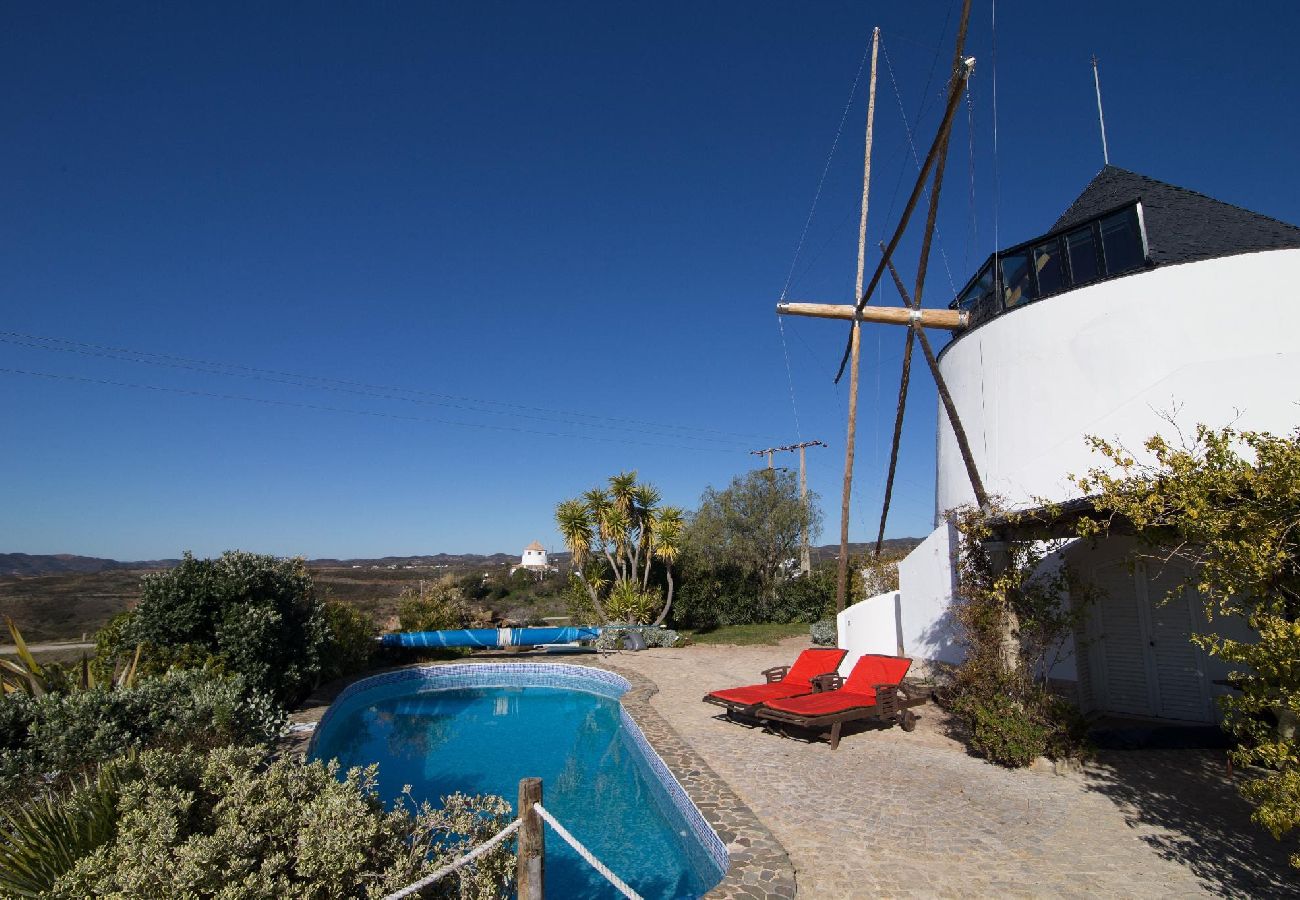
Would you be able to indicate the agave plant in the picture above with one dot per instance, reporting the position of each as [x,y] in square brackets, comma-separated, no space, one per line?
[25,675]
[43,838]
[30,677]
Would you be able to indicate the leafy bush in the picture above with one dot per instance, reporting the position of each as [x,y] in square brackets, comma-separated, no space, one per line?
[234,823]
[611,638]
[803,599]
[352,640]
[711,596]
[1015,622]
[1003,730]
[1224,506]
[1014,732]
[254,615]
[825,632]
[70,733]
[435,606]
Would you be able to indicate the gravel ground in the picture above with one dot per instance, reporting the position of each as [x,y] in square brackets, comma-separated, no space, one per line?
[897,814]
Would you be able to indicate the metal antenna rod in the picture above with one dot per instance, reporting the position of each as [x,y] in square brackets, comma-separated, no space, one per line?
[1101,117]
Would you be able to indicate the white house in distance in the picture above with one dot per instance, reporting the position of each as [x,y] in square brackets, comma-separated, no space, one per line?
[533,559]
[1142,300]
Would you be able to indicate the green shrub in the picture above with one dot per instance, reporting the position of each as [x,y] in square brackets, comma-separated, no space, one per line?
[611,638]
[352,640]
[254,615]
[711,596]
[1003,730]
[824,633]
[437,605]
[234,823]
[72,732]
[803,599]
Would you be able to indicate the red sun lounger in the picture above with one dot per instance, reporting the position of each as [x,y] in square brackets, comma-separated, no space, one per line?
[782,681]
[874,690]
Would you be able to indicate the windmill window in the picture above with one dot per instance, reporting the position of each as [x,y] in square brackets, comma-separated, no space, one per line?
[1121,241]
[1082,247]
[1018,284]
[1048,265]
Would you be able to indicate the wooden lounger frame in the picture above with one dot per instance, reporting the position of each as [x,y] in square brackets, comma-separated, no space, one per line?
[893,706]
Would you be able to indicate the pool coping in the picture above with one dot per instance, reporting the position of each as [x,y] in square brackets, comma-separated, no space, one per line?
[758,865]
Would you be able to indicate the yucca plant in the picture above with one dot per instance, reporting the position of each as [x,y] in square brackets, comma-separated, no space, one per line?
[25,675]
[621,530]
[43,838]
[30,677]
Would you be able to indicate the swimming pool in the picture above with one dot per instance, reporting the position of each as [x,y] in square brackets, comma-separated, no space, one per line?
[479,728]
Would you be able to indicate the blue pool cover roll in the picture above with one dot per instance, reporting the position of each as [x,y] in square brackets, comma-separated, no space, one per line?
[490,637]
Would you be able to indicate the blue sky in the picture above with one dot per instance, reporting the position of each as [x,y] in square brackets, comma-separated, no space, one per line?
[547,237]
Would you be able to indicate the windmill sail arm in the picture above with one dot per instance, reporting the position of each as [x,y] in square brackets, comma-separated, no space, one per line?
[946,319]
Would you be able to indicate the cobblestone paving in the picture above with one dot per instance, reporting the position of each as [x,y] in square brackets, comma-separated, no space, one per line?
[896,814]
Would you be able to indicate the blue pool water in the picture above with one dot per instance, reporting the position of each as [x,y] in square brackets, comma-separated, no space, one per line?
[440,737]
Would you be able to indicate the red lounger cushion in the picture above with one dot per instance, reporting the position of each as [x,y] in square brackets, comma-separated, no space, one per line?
[761,693]
[798,680]
[871,670]
[812,663]
[824,704]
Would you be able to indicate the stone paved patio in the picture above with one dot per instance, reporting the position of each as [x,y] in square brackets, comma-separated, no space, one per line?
[896,814]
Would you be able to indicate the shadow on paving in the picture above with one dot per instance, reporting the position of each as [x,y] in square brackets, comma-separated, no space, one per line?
[1200,820]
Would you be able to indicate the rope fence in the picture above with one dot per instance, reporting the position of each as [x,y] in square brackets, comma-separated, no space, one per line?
[529,871]
[586,854]
[485,847]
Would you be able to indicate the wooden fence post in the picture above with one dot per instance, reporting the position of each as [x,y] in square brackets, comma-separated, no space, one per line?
[530,867]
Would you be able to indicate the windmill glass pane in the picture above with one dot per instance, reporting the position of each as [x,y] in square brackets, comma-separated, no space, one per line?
[1047,260]
[1083,255]
[1017,279]
[1121,242]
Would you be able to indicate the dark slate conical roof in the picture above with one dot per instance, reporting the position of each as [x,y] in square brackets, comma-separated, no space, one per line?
[1181,225]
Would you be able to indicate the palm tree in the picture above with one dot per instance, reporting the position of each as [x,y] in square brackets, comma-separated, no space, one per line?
[622,523]
[666,540]
[574,519]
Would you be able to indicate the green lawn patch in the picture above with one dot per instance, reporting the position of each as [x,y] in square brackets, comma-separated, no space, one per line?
[765,633]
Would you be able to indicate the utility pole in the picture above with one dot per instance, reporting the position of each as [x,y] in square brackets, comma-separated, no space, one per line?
[805,555]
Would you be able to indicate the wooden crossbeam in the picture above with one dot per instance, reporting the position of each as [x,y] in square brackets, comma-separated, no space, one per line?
[947,319]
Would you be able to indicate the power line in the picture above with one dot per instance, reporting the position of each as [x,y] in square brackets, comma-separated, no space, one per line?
[338,409]
[386,392]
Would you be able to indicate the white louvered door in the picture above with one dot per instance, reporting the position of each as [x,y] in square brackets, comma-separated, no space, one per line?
[1143,662]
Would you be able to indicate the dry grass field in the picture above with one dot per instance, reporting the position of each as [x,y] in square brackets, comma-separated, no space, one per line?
[66,607]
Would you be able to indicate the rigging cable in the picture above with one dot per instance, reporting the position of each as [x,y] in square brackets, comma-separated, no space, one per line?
[383,392]
[338,409]
[803,235]
[916,158]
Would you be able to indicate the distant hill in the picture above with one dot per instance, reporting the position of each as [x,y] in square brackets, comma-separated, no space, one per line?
[66,563]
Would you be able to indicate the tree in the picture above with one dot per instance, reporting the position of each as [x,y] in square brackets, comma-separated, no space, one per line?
[615,534]
[1226,504]
[437,605]
[755,525]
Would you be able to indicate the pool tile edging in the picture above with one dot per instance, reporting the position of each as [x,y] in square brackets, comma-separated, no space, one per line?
[759,867]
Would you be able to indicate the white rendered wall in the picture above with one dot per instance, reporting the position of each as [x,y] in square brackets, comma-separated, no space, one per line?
[1220,339]
[870,626]
[926,579]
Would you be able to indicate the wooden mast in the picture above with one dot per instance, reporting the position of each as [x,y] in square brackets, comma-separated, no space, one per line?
[841,583]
